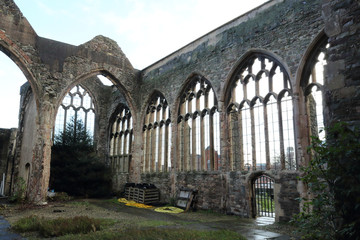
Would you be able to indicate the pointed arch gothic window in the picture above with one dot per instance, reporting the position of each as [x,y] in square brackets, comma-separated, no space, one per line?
[313,84]
[121,139]
[198,128]
[157,136]
[260,116]
[76,105]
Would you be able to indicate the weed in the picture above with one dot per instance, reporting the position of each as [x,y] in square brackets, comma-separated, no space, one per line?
[20,191]
[57,227]
[28,224]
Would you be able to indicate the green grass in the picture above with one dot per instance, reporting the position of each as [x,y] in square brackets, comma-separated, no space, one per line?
[84,228]
[158,233]
[57,227]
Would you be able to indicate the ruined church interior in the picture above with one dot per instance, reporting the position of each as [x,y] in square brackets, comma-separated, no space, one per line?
[226,115]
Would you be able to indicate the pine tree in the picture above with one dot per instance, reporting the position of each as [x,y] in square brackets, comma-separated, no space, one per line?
[75,167]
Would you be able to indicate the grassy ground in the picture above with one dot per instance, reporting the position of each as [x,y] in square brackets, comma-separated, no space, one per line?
[108,219]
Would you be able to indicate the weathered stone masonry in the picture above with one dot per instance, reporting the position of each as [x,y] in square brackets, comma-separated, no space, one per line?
[288,31]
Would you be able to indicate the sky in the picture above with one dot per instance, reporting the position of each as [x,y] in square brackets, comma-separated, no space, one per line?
[145,30]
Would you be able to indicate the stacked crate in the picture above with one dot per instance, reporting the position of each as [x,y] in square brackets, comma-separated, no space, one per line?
[145,196]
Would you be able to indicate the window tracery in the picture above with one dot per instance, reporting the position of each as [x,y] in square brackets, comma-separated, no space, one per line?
[121,138]
[313,89]
[198,128]
[76,105]
[157,136]
[260,115]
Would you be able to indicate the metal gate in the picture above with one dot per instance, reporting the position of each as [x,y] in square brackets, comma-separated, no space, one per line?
[263,187]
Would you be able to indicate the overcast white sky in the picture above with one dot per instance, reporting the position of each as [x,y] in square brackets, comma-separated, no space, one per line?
[145,30]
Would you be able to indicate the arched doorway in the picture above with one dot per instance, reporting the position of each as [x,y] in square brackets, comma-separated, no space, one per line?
[263,196]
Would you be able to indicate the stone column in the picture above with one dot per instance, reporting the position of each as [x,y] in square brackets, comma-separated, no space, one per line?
[40,174]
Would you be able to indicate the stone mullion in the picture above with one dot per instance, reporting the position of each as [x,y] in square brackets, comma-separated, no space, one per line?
[266,128]
[124,156]
[119,155]
[281,133]
[122,143]
[313,75]
[145,148]
[197,160]
[160,149]
[125,151]
[114,157]
[239,164]
[166,148]
[194,143]
[206,100]
[130,149]
[148,149]
[206,104]
[118,143]
[253,143]
[65,116]
[203,152]
[285,80]
[213,165]
[126,133]
[231,141]
[158,141]
[153,149]
[119,138]
[114,139]
[186,145]
[180,140]
[146,141]
[75,121]
[233,95]
[85,121]
[181,137]
[151,142]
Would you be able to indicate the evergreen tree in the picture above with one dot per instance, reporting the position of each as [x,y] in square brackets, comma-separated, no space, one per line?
[75,167]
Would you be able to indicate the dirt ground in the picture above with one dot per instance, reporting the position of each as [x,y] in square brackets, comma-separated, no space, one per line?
[124,216]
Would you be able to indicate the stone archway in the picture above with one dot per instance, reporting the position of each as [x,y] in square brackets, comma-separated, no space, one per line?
[263,196]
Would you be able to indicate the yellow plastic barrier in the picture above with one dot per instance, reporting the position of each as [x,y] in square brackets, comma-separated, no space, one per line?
[133,203]
[169,210]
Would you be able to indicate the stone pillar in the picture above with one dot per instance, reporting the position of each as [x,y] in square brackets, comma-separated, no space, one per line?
[40,175]
[136,153]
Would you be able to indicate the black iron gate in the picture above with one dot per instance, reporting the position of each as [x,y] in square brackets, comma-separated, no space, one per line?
[263,188]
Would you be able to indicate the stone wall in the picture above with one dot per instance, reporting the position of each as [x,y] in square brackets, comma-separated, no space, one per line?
[277,29]
[342,25]
[162,182]
[230,192]
[286,196]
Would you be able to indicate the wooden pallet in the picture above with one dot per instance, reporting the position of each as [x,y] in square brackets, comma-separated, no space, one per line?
[145,196]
